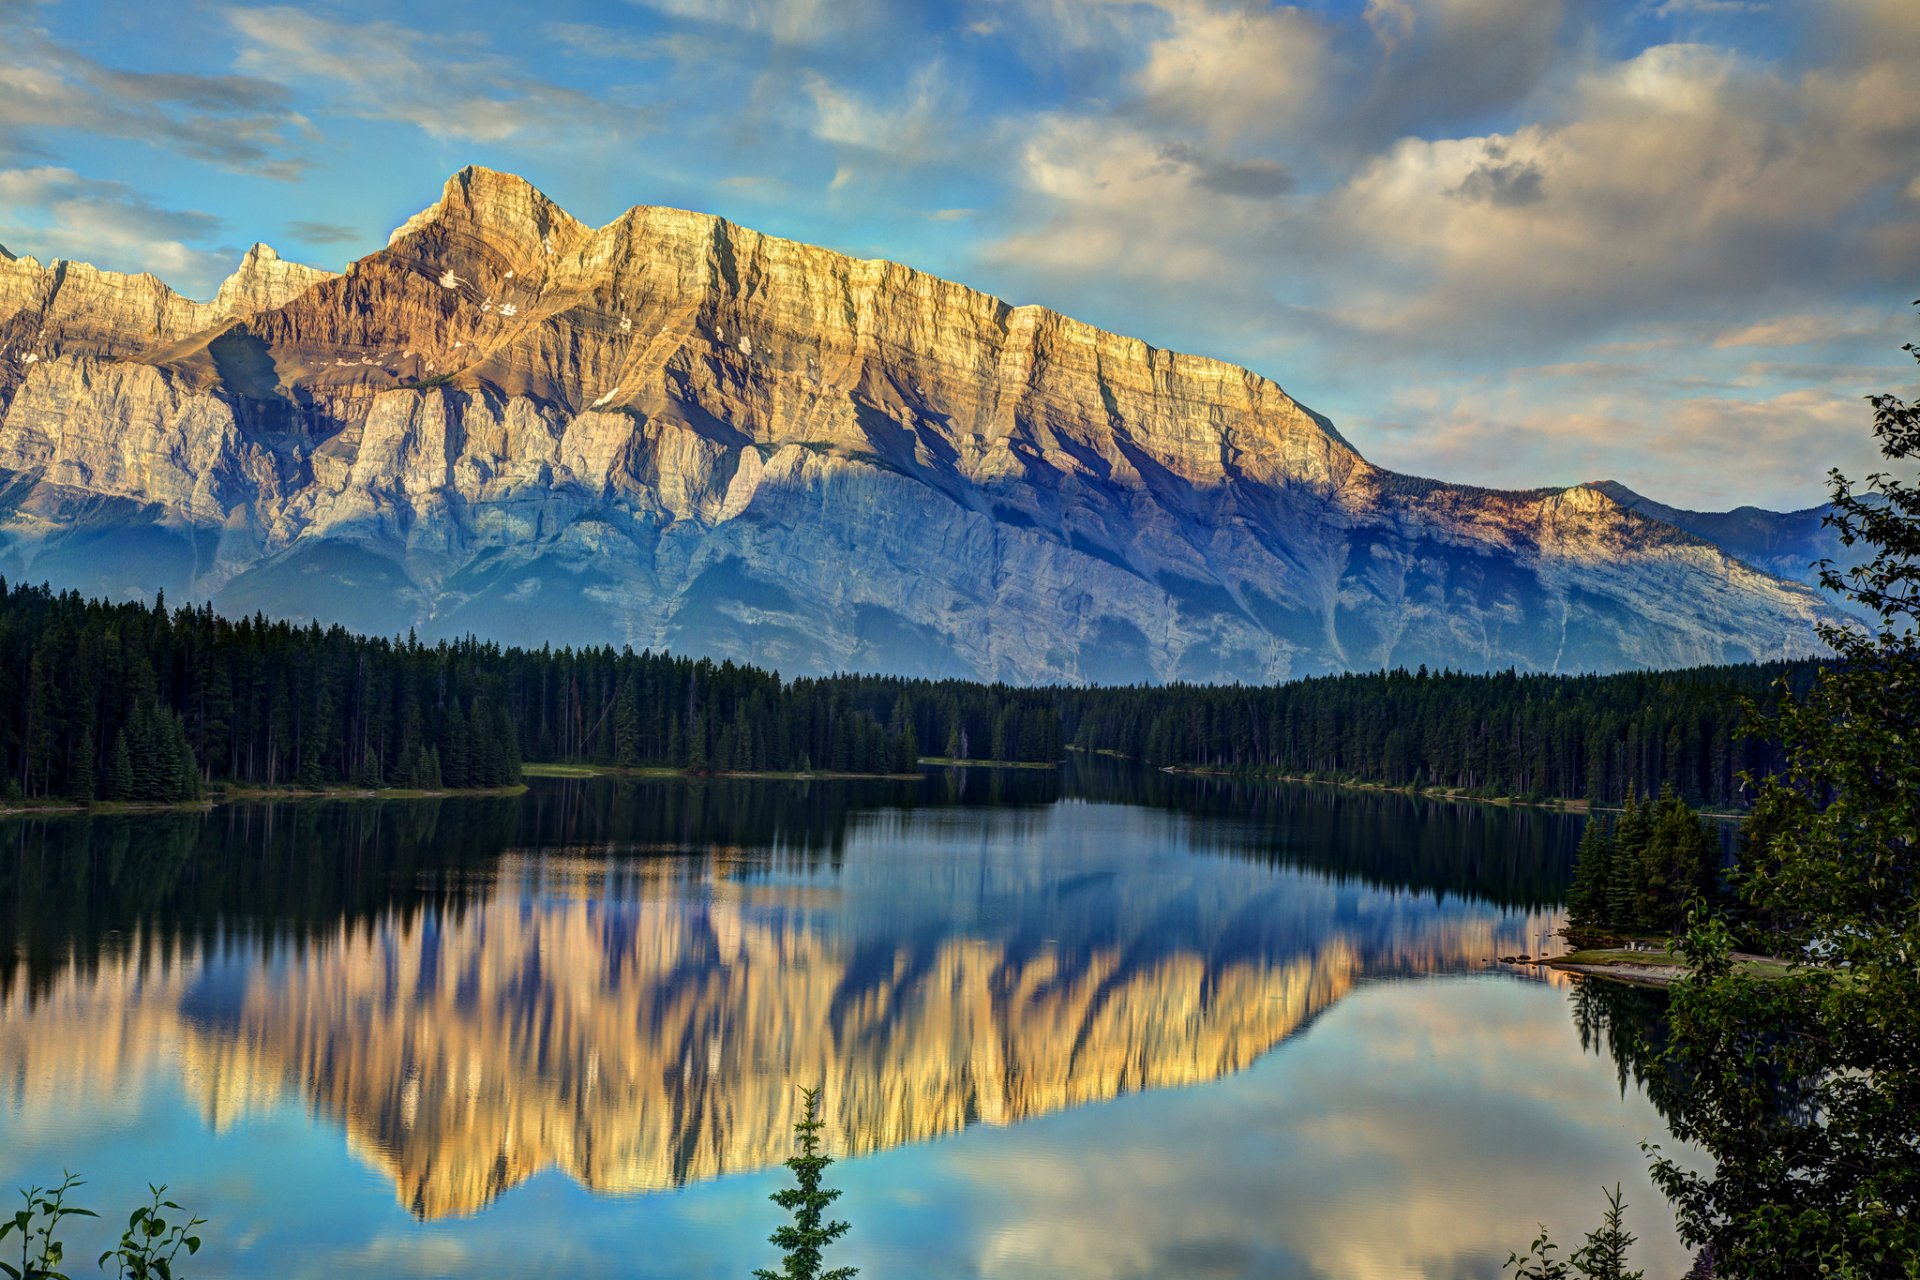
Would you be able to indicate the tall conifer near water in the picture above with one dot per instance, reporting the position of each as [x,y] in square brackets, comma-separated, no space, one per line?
[1592,873]
[1624,877]
[804,1241]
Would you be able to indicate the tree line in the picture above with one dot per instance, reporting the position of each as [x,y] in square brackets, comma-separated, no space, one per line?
[130,701]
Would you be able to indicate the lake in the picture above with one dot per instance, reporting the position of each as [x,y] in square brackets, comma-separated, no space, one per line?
[1099,1023]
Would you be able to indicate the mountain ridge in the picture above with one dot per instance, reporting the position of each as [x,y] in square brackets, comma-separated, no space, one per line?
[672,431]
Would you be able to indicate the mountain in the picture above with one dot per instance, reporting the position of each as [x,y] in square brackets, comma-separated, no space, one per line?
[673,431]
[1787,544]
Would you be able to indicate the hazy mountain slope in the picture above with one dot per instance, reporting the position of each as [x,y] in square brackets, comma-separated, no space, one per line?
[674,431]
[1787,544]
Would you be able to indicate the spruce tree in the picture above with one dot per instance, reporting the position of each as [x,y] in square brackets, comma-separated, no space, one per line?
[120,780]
[1676,861]
[1624,887]
[1587,906]
[626,726]
[805,1241]
[80,785]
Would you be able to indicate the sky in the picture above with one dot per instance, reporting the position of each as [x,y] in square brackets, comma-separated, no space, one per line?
[1514,243]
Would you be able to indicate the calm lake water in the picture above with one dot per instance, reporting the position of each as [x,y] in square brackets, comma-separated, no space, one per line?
[1105,1023]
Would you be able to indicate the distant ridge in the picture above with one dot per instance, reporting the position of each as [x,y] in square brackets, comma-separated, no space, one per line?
[672,431]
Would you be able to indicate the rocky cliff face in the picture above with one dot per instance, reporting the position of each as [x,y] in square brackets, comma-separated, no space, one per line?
[672,431]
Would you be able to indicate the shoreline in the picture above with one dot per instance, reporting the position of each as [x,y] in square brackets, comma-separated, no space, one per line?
[661,772]
[217,795]
[1658,969]
[1553,804]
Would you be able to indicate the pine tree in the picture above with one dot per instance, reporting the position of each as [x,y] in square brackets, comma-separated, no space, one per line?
[1587,906]
[807,1238]
[1624,887]
[1604,1255]
[697,743]
[626,726]
[120,780]
[80,785]
[1675,862]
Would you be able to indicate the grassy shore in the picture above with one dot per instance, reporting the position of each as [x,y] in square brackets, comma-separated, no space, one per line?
[218,794]
[1656,968]
[954,762]
[237,795]
[1561,804]
[765,775]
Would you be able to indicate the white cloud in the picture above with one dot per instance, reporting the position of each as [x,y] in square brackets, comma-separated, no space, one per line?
[54,212]
[47,87]
[447,87]
[799,22]
[1233,71]
[1684,176]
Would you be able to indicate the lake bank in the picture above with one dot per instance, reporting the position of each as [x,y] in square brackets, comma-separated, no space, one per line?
[1657,968]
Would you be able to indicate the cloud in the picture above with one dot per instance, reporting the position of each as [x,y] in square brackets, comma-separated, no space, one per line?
[1676,8]
[1232,70]
[55,212]
[1433,63]
[238,122]
[1566,424]
[588,40]
[1130,205]
[787,21]
[446,86]
[1685,177]
[325,232]
[925,125]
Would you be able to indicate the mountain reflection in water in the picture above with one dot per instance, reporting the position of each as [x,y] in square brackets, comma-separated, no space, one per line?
[624,981]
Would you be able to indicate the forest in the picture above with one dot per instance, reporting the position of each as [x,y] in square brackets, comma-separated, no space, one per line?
[139,702]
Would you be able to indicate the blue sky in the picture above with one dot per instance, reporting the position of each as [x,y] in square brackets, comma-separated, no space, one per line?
[1507,242]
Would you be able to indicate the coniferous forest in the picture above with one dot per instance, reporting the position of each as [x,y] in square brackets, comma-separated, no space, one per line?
[139,702]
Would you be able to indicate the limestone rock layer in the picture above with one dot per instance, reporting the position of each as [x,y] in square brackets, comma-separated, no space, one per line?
[673,431]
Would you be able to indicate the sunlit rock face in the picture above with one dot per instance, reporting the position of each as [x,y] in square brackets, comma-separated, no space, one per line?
[642,1024]
[672,431]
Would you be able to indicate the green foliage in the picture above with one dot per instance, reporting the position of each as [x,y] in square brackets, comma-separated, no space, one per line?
[1643,871]
[1592,870]
[805,1240]
[37,1224]
[148,1248]
[1806,1090]
[1603,1256]
[151,1244]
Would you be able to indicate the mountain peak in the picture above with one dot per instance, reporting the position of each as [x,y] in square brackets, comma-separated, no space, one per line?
[264,280]
[504,209]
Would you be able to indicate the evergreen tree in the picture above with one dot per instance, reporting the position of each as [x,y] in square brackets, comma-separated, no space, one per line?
[805,1240]
[1604,1254]
[1625,888]
[80,784]
[120,780]
[1587,904]
[1676,862]
[697,761]
[626,726]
